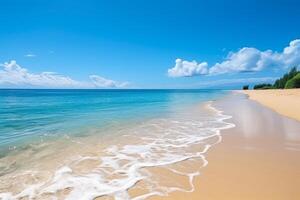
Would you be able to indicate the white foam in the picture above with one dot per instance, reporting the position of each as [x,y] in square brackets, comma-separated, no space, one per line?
[163,142]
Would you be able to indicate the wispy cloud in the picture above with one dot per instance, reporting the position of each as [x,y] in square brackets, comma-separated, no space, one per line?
[13,75]
[225,83]
[99,81]
[247,59]
[30,55]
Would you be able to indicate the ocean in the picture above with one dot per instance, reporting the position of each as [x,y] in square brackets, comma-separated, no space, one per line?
[87,144]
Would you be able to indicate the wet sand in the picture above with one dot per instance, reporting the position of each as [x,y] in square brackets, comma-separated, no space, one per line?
[156,156]
[256,160]
[285,102]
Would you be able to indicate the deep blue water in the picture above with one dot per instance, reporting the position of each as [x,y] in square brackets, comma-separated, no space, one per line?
[30,114]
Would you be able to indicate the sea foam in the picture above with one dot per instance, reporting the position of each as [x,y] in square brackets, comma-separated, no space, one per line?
[175,145]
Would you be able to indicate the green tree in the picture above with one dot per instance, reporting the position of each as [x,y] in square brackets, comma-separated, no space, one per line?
[280,83]
[262,86]
[245,87]
[294,82]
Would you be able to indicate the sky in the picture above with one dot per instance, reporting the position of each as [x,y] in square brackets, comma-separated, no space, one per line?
[146,44]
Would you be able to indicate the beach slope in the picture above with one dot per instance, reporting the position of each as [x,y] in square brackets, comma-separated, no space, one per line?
[285,102]
[256,160]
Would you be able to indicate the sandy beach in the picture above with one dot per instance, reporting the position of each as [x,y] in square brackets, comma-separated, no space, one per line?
[285,102]
[199,153]
[150,100]
[258,159]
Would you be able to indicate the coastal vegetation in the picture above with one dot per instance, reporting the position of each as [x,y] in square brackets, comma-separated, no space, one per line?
[263,86]
[294,82]
[245,87]
[281,83]
[287,81]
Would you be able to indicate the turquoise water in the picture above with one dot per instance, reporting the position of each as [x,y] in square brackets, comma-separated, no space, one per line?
[83,144]
[30,114]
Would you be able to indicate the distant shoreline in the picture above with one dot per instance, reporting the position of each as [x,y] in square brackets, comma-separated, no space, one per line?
[285,101]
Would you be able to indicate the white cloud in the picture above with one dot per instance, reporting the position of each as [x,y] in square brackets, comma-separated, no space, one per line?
[186,68]
[30,55]
[247,59]
[13,75]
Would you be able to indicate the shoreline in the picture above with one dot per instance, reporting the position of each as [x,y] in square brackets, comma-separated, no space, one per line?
[245,161]
[168,147]
[283,101]
[252,162]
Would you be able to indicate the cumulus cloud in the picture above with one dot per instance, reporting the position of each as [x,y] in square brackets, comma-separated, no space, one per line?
[13,75]
[247,59]
[186,68]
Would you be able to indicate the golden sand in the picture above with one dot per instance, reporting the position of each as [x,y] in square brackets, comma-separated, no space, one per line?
[285,102]
[257,160]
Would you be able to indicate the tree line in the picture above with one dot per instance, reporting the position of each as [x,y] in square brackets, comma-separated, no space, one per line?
[287,81]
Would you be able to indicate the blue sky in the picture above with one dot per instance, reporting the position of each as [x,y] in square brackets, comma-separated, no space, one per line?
[135,44]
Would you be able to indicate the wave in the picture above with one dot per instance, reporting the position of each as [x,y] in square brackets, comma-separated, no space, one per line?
[148,160]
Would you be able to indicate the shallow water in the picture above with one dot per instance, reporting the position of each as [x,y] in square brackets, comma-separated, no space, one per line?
[104,144]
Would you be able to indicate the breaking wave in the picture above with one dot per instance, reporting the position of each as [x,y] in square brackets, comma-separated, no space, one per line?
[149,159]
